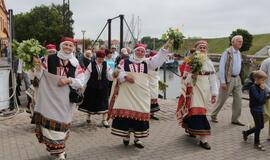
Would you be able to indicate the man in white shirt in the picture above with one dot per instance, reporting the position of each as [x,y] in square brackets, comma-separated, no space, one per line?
[230,81]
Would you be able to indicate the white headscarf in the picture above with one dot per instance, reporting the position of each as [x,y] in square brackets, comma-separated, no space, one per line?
[134,58]
[67,56]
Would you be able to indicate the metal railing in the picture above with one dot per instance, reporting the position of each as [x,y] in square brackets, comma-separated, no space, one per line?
[165,68]
[109,21]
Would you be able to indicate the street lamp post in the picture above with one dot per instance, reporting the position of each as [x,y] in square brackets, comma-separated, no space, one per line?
[83,32]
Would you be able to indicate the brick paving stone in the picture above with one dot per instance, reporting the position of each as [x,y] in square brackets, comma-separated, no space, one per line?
[166,140]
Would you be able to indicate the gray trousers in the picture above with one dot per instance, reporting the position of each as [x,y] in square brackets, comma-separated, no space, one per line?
[234,87]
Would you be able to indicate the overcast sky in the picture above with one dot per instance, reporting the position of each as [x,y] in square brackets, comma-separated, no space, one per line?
[199,18]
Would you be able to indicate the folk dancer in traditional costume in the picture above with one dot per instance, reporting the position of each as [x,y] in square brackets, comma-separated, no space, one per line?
[97,76]
[51,49]
[130,102]
[153,84]
[53,113]
[191,111]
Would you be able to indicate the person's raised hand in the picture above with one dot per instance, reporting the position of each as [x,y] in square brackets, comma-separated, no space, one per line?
[168,44]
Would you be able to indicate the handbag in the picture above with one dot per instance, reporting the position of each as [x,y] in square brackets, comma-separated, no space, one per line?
[75,96]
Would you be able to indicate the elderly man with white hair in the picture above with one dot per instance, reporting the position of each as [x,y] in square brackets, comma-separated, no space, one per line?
[230,81]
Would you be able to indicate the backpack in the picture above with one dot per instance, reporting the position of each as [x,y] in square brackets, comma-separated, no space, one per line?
[249,81]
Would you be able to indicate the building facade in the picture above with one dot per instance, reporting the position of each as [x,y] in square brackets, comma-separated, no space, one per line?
[4,31]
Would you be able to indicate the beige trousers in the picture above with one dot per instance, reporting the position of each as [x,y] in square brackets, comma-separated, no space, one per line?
[234,88]
[266,115]
[266,118]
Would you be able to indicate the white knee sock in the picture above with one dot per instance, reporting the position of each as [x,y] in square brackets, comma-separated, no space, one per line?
[203,139]
[62,155]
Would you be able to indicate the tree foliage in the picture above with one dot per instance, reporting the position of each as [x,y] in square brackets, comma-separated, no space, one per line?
[247,38]
[152,43]
[88,42]
[44,23]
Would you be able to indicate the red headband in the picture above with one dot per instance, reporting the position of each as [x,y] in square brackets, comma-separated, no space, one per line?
[69,39]
[140,45]
[201,42]
[51,47]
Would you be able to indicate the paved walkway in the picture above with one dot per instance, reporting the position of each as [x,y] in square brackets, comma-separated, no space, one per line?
[166,141]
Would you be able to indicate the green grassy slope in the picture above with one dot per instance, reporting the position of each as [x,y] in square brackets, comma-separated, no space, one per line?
[218,45]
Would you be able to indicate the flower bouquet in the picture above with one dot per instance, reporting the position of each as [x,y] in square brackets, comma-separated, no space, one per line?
[176,36]
[196,63]
[29,49]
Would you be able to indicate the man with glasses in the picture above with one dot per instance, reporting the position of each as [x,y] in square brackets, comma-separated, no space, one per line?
[230,81]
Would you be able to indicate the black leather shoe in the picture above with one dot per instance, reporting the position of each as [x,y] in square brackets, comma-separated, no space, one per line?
[125,142]
[205,145]
[154,117]
[238,123]
[138,144]
[245,136]
[214,119]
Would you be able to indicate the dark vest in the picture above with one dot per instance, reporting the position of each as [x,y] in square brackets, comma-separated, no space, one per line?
[86,62]
[94,82]
[130,67]
[54,62]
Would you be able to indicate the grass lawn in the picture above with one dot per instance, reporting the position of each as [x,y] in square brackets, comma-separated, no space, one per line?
[218,45]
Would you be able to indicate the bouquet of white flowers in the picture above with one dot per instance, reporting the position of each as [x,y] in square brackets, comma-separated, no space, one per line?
[176,36]
[196,63]
[27,50]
